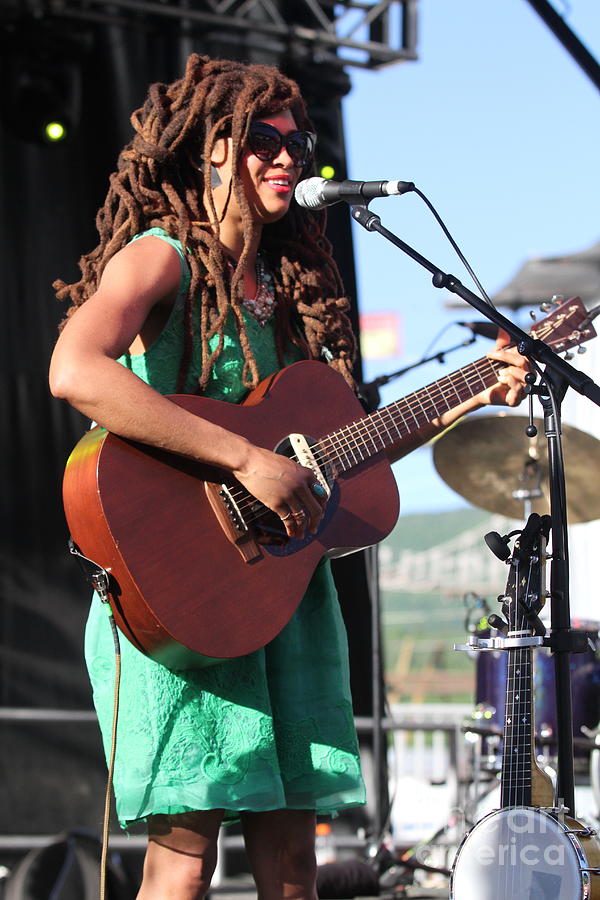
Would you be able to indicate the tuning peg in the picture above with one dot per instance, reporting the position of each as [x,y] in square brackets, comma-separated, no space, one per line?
[581,349]
[546,306]
[533,315]
[568,356]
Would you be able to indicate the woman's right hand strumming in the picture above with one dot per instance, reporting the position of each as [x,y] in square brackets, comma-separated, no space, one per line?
[285,487]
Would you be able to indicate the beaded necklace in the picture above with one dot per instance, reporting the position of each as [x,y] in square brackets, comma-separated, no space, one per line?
[261,306]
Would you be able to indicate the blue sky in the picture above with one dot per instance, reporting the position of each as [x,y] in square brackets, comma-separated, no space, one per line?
[500,128]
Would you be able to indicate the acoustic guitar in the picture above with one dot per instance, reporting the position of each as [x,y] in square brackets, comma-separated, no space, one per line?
[529,848]
[192,580]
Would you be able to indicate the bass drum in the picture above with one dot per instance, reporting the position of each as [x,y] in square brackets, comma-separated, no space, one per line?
[585,692]
[490,699]
[522,853]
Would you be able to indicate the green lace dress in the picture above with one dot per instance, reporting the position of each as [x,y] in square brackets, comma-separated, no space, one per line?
[270,730]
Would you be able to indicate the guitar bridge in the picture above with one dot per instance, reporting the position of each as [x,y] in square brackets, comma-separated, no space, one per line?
[231,520]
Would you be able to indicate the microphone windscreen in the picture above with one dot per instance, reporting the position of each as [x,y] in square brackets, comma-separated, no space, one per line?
[308,193]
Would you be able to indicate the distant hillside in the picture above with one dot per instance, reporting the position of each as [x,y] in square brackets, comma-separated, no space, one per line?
[424,530]
[437,579]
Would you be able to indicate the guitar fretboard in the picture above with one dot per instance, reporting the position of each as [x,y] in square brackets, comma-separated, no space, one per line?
[343,449]
[354,443]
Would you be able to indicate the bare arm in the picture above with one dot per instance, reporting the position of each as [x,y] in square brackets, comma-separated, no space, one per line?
[138,283]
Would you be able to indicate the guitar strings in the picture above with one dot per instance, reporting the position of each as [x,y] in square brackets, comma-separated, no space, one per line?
[343,449]
[468,377]
[336,451]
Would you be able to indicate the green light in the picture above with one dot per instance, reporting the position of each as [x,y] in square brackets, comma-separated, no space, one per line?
[327,172]
[55,131]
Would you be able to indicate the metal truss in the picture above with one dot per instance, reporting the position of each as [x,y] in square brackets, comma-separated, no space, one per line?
[362,33]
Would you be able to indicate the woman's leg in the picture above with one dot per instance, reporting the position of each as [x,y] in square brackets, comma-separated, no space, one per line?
[280,845]
[181,855]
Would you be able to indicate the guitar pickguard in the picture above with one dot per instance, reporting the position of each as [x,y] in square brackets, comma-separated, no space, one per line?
[306,457]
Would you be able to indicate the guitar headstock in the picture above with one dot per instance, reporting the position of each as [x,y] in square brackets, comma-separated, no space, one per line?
[525,592]
[568,325]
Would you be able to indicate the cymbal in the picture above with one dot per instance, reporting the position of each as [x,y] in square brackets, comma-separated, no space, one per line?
[490,461]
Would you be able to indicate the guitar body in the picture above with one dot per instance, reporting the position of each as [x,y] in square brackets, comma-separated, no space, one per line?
[181,590]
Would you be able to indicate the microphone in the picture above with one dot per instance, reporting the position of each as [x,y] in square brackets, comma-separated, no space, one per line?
[485,329]
[317,193]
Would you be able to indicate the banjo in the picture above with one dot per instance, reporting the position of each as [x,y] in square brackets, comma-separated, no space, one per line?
[528,849]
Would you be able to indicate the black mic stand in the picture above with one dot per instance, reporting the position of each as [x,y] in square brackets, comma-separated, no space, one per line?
[558,376]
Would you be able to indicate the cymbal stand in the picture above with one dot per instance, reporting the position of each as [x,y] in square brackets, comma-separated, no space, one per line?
[531,478]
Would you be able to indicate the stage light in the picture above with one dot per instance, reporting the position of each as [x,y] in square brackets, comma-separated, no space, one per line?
[41,101]
[55,131]
[327,172]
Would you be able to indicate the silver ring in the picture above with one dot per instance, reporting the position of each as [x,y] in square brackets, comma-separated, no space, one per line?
[285,518]
[318,490]
[300,514]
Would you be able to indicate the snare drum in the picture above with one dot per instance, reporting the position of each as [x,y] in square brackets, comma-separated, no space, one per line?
[522,852]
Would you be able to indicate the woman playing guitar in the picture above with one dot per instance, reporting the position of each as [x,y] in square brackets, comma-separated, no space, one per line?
[207,278]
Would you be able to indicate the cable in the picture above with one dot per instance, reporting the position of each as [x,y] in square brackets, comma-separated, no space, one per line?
[113,752]
[456,247]
[436,338]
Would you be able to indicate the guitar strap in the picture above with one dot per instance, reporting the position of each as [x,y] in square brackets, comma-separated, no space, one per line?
[100,581]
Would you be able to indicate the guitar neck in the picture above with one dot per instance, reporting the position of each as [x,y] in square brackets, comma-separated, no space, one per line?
[517,757]
[567,326]
[393,424]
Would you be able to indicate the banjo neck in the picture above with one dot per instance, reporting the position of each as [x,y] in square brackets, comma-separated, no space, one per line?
[523,782]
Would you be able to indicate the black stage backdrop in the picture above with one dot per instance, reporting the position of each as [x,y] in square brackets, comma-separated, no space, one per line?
[52,773]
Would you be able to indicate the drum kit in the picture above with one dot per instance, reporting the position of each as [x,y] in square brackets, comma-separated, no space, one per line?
[491,462]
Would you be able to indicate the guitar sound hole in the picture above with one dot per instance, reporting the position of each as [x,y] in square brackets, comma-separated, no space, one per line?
[285,449]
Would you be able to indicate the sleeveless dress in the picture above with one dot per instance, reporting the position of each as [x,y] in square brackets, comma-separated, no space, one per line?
[270,730]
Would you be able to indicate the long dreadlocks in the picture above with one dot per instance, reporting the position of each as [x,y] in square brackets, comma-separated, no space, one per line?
[158,183]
